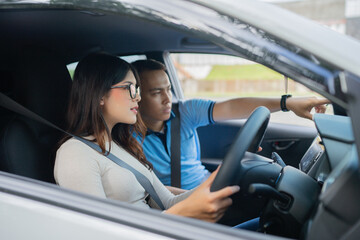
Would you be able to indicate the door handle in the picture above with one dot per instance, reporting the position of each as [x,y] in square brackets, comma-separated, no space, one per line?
[282,145]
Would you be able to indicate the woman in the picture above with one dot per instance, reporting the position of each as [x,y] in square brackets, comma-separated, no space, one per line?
[103,108]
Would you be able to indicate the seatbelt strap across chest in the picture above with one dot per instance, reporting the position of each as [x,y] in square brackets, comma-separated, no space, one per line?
[175,148]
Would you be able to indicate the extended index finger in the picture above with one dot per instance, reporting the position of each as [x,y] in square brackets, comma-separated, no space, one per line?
[226,192]
[322,101]
[211,178]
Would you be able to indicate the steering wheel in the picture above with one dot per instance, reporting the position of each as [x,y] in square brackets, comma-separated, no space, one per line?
[248,139]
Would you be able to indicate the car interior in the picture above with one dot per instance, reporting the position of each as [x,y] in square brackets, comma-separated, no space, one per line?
[47,98]
[37,44]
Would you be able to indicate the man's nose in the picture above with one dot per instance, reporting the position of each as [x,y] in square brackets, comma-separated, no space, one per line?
[167,97]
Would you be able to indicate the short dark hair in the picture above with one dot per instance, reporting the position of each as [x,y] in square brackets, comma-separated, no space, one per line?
[148,65]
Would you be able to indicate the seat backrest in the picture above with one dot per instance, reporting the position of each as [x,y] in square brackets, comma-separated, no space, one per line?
[41,84]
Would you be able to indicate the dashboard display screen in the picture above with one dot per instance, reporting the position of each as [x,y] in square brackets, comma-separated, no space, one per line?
[311,156]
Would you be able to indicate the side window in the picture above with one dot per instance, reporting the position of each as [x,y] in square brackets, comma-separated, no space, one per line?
[131,58]
[221,77]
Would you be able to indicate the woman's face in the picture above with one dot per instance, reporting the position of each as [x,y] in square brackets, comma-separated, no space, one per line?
[118,106]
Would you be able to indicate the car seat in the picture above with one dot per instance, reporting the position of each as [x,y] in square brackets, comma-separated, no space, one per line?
[41,83]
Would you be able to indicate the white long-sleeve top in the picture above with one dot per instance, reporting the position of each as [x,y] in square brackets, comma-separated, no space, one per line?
[81,168]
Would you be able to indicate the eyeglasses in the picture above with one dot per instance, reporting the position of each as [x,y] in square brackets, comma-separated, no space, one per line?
[134,90]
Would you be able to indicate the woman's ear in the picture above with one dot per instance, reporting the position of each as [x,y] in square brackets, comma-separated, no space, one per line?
[102,102]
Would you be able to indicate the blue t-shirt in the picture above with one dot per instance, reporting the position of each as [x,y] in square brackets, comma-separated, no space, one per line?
[194,113]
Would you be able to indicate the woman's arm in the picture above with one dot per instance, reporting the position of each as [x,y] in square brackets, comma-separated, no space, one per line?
[175,190]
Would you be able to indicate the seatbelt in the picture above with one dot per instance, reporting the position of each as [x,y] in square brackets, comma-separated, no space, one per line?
[11,105]
[175,148]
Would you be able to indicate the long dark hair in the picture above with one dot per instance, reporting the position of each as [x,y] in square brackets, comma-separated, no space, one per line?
[94,75]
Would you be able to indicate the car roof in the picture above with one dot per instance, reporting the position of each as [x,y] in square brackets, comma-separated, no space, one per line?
[55,26]
[339,49]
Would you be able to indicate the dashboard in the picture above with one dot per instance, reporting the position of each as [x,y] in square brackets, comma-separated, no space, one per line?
[334,141]
[337,168]
[316,190]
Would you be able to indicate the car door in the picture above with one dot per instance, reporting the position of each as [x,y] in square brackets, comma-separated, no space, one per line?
[31,209]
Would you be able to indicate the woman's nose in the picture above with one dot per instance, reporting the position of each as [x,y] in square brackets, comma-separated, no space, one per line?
[137,98]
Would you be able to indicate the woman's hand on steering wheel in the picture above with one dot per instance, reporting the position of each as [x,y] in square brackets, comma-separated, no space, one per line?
[204,204]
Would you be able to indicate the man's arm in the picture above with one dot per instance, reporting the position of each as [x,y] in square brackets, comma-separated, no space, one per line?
[242,107]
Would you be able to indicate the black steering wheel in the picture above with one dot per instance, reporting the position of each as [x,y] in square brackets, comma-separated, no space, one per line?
[248,139]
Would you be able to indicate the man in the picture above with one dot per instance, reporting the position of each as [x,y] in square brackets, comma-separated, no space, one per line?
[155,109]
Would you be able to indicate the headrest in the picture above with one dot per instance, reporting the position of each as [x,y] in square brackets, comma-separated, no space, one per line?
[43,84]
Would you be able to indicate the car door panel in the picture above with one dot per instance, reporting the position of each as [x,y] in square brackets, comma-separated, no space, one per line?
[289,141]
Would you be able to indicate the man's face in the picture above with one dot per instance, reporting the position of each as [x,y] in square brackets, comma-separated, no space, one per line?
[156,96]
